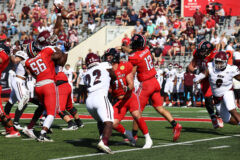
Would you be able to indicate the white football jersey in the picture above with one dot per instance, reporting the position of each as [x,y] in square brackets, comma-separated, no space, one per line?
[221,81]
[69,74]
[180,78]
[159,76]
[170,75]
[20,70]
[98,78]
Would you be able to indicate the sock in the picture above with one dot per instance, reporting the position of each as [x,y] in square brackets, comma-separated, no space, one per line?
[18,114]
[120,129]
[134,133]
[105,140]
[142,125]
[70,123]
[48,121]
[147,135]
[43,131]
[31,124]
[173,123]
[8,108]
[78,122]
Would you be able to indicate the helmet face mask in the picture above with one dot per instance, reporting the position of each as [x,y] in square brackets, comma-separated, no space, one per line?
[180,69]
[220,61]
[111,56]
[170,66]
[204,48]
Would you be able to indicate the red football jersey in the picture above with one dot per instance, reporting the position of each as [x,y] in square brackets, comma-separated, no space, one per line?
[124,68]
[5,61]
[143,60]
[42,67]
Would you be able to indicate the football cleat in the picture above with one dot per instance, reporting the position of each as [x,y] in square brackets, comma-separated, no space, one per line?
[104,148]
[13,134]
[164,104]
[44,138]
[148,143]
[70,128]
[215,122]
[176,132]
[130,138]
[17,126]
[220,122]
[29,133]
[170,104]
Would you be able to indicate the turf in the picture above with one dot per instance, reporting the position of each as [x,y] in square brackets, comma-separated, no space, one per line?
[84,140]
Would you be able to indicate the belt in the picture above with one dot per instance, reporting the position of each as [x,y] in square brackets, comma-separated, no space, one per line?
[60,82]
[23,78]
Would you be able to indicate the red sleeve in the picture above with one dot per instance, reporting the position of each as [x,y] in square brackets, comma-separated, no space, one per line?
[133,60]
[129,67]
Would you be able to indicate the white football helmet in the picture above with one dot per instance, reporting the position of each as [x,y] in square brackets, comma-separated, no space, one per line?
[22,54]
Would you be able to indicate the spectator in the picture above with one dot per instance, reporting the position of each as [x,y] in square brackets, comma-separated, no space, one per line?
[183,26]
[161,18]
[11,4]
[3,17]
[126,40]
[198,18]
[188,86]
[176,26]
[112,10]
[143,15]
[138,29]
[221,13]
[223,42]
[82,89]
[49,27]
[43,14]
[215,40]
[52,17]
[237,23]
[172,6]
[25,12]
[133,18]
[78,65]
[125,3]
[191,41]
[84,3]
[162,10]
[91,26]
[22,28]
[150,28]
[176,46]
[230,46]
[41,28]
[3,36]
[73,39]
[125,18]
[210,23]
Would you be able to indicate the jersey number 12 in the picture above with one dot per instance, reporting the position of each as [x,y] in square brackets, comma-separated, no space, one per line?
[149,62]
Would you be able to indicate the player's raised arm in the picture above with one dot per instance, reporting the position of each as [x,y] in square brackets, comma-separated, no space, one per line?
[201,76]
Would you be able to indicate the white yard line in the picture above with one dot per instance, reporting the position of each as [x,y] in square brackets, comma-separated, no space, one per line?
[137,149]
[219,147]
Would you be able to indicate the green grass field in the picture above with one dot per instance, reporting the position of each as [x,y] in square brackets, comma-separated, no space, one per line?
[198,141]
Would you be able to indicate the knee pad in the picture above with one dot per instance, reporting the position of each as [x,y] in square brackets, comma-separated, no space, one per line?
[72,111]
[62,114]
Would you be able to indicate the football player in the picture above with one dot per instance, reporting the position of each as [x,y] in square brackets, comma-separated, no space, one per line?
[170,75]
[220,75]
[141,59]
[180,85]
[42,66]
[72,76]
[97,79]
[6,120]
[19,90]
[205,53]
[123,90]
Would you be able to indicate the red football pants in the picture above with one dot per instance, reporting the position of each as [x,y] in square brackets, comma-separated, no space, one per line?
[47,95]
[65,99]
[150,89]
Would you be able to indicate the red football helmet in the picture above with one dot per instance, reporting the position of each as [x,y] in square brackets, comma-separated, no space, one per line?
[180,68]
[175,65]
[91,59]
[220,60]
[170,66]
[138,42]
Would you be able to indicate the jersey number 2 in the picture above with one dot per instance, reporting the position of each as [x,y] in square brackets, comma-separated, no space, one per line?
[38,66]
[149,62]
[97,74]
